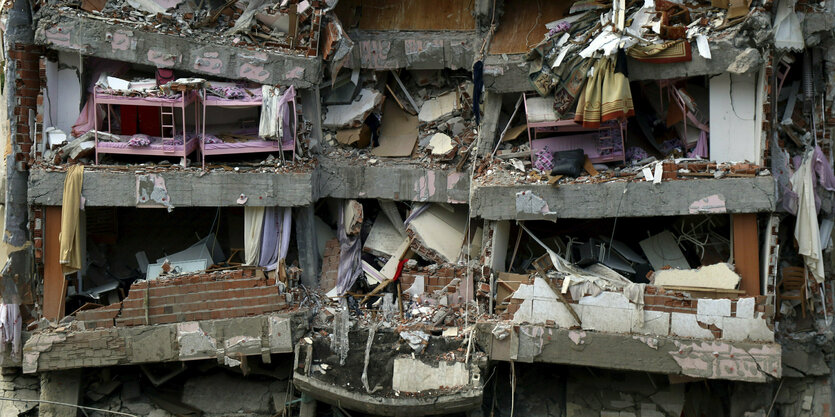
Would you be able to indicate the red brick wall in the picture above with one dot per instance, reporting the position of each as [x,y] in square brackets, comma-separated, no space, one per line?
[29,76]
[218,295]
[434,277]
[330,265]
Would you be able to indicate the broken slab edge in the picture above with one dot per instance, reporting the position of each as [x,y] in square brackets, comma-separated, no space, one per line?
[458,402]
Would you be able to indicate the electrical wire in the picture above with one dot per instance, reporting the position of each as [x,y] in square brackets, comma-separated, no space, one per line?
[118,413]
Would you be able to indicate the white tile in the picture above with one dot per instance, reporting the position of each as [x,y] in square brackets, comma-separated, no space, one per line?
[708,307]
[606,319]
[656,323]
[608,299]
[685,325]
[745,307]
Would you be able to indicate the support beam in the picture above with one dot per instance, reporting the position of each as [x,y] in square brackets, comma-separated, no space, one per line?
[488,132]
[55,285]
[61,387]
[308,245]
[747,252]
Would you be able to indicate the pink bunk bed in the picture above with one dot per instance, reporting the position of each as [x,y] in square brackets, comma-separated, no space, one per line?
[604,144]
[242,141]
[179,145]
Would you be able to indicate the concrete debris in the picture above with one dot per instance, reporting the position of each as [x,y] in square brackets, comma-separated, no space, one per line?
[721,276]
[352,115]
[438,233]
[417,340]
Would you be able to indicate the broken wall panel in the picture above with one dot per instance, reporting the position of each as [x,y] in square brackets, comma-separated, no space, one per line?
[523,24]
[451,15]
[734,123]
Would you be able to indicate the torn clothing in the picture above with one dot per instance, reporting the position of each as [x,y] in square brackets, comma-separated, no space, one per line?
[276,112]
[70,237]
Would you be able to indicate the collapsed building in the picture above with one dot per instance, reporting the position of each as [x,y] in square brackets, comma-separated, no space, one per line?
[405,208]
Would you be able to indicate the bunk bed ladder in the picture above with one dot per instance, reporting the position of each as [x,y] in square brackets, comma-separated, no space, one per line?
[166,123]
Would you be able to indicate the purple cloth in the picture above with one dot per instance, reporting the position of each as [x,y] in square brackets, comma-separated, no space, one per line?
[210,139]
[701,149]
[350,248]
[560,27]
[821,174]
[544,159]
[230,92]
[275,236]
[139,140]
[636,154]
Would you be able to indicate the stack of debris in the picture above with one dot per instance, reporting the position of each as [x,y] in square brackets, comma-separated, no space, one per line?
[289,26]
[421,116]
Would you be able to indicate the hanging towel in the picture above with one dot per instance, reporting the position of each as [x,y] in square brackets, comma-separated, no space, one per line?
[70,237]
[253,227]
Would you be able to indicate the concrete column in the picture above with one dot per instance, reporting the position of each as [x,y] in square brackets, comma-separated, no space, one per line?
[63,387]
[312,110]
[308,245]
[307,408]
[490,129]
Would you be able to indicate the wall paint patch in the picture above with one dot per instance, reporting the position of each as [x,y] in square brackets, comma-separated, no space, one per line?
[713,204]
[151,192]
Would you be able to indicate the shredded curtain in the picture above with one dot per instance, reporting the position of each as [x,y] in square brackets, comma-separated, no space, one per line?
[276,237]
[253,227]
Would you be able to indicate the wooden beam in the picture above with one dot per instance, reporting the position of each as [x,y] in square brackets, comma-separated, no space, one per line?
[747,252]
[54,283]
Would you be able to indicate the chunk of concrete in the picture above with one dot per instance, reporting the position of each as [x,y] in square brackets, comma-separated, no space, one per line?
[438,232]
[412,375]
[441,144]
[719,276]
[353,114]
[384,238]
[438,107]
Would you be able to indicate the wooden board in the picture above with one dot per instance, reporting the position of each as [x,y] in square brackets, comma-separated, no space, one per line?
[54,284]
[523,24]
[747,252]
[407,14]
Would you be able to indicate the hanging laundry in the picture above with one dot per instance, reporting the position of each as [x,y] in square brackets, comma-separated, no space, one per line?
[275,112]
[11,325]
[806,229]
[478,85]
[606,96]
[253,227]
[70,237]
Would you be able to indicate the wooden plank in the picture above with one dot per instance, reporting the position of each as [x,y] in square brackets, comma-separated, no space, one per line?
[747,252]
[407,14]
[523,24]
[54,284]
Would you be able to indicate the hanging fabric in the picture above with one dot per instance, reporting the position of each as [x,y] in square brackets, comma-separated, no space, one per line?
[478,86]
[11,326]
[253,227]
[606,96]
[276,237]
[350,248]
[806,229]
[70,237]
[269,125]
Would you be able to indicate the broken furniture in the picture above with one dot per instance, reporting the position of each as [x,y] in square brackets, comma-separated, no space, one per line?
[792,286]
[604,144]
[244,141]
[169,143]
